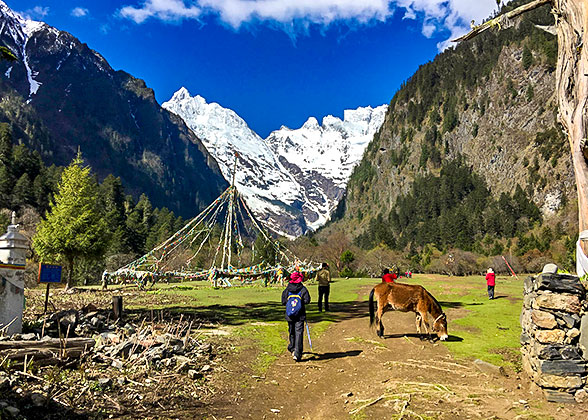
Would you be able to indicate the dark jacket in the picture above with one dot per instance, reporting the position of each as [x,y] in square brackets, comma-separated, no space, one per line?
[296,289]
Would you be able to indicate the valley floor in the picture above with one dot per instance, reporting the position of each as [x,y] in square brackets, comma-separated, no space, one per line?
[351,373]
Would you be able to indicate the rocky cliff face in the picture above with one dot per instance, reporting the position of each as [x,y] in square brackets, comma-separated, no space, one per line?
[60,94]
[294,178]
[491,101]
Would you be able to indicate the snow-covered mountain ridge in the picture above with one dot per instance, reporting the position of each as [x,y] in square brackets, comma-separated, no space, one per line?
[294,178]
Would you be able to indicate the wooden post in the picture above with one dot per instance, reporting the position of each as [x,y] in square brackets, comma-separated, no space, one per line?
[46,298]
[572,91]
[117,307]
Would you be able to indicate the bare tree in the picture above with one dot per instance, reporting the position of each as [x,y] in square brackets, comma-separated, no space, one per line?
[571,24]
[335,244]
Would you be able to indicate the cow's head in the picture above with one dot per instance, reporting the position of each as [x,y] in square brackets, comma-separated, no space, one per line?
[440,327]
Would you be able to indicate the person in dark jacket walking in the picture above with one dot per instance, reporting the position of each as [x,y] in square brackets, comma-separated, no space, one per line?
[324,279]
[296,322]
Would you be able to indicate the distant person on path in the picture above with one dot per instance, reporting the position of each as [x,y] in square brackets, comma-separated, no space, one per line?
[491,282]
[324,279]
[295,297]
[388,277]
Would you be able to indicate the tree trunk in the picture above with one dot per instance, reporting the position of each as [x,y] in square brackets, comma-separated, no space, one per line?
[572,90]
[70,268]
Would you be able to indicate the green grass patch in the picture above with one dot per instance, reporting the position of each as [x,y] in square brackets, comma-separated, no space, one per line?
[256,311]
[486,329]
[478,328]
[269,338]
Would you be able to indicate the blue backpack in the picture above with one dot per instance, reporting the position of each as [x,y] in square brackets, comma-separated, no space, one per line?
[293,305]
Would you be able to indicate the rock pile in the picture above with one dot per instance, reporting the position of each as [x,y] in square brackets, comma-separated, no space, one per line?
[552,356]
[135,367]
[116,343]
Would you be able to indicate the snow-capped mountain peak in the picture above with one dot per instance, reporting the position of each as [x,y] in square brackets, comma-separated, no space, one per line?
[311,124]
[181,94]
[21,31]
[294,178]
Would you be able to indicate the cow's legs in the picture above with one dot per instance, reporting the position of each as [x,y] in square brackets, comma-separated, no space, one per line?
[424,322]
[380,313]
[419,320]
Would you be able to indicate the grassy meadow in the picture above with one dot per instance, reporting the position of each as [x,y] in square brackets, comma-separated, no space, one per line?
[478,328]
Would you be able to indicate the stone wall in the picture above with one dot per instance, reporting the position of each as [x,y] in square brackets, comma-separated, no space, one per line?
[551,338]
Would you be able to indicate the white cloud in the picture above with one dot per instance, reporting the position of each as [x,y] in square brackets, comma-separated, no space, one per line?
[322,12]
[238,12]
[80,12]
[37,12]
[453,16]
[166,10]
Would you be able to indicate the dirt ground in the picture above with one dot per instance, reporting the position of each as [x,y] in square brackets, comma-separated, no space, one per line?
[351,373]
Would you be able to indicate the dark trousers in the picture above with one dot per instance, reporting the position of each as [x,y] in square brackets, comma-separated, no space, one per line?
[296,332]
[491,292]
[323,291]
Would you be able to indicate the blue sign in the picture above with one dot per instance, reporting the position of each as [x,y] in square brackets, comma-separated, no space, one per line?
[49,273]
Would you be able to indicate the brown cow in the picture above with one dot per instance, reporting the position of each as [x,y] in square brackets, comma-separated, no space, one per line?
[406,298]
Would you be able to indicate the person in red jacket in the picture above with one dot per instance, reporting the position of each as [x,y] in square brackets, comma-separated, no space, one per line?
[387,277]
[490,282]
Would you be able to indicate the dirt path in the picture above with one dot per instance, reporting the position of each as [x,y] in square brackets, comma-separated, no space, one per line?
[400,375]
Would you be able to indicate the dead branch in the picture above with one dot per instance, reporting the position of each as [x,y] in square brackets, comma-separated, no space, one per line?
[54,343]
[357,410]
[502,19]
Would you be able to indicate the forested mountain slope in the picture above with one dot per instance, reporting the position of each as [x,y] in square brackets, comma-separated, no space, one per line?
[470,154]
[60,94]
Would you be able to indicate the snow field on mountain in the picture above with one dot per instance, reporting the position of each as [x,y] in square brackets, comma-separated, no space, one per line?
[294,178]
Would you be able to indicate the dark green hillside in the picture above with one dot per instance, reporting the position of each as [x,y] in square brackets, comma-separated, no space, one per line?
[470,156]
[27,186]
[112,116]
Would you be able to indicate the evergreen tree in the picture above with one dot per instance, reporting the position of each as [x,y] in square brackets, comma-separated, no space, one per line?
[527,58]
[113,202]
[23,191]
[264,251]
[5,145]
[136,231]
[74,227]
[6,179]
[24,161]
[5,186]
[42,191]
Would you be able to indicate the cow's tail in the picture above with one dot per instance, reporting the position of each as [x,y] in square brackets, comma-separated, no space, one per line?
[372,309]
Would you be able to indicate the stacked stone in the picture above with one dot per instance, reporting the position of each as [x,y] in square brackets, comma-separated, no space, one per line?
[551,323]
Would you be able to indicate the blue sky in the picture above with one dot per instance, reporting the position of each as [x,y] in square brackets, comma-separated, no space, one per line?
[275,62]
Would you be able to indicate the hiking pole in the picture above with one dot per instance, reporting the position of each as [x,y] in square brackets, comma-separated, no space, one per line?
[308,334]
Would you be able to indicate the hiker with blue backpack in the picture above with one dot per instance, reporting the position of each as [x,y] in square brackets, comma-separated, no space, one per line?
[295,297]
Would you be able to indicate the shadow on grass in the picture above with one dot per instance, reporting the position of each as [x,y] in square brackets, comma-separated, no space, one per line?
[332,355]
[431,338]
[402,335]
[454,339]
[252,312]
[451,305]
